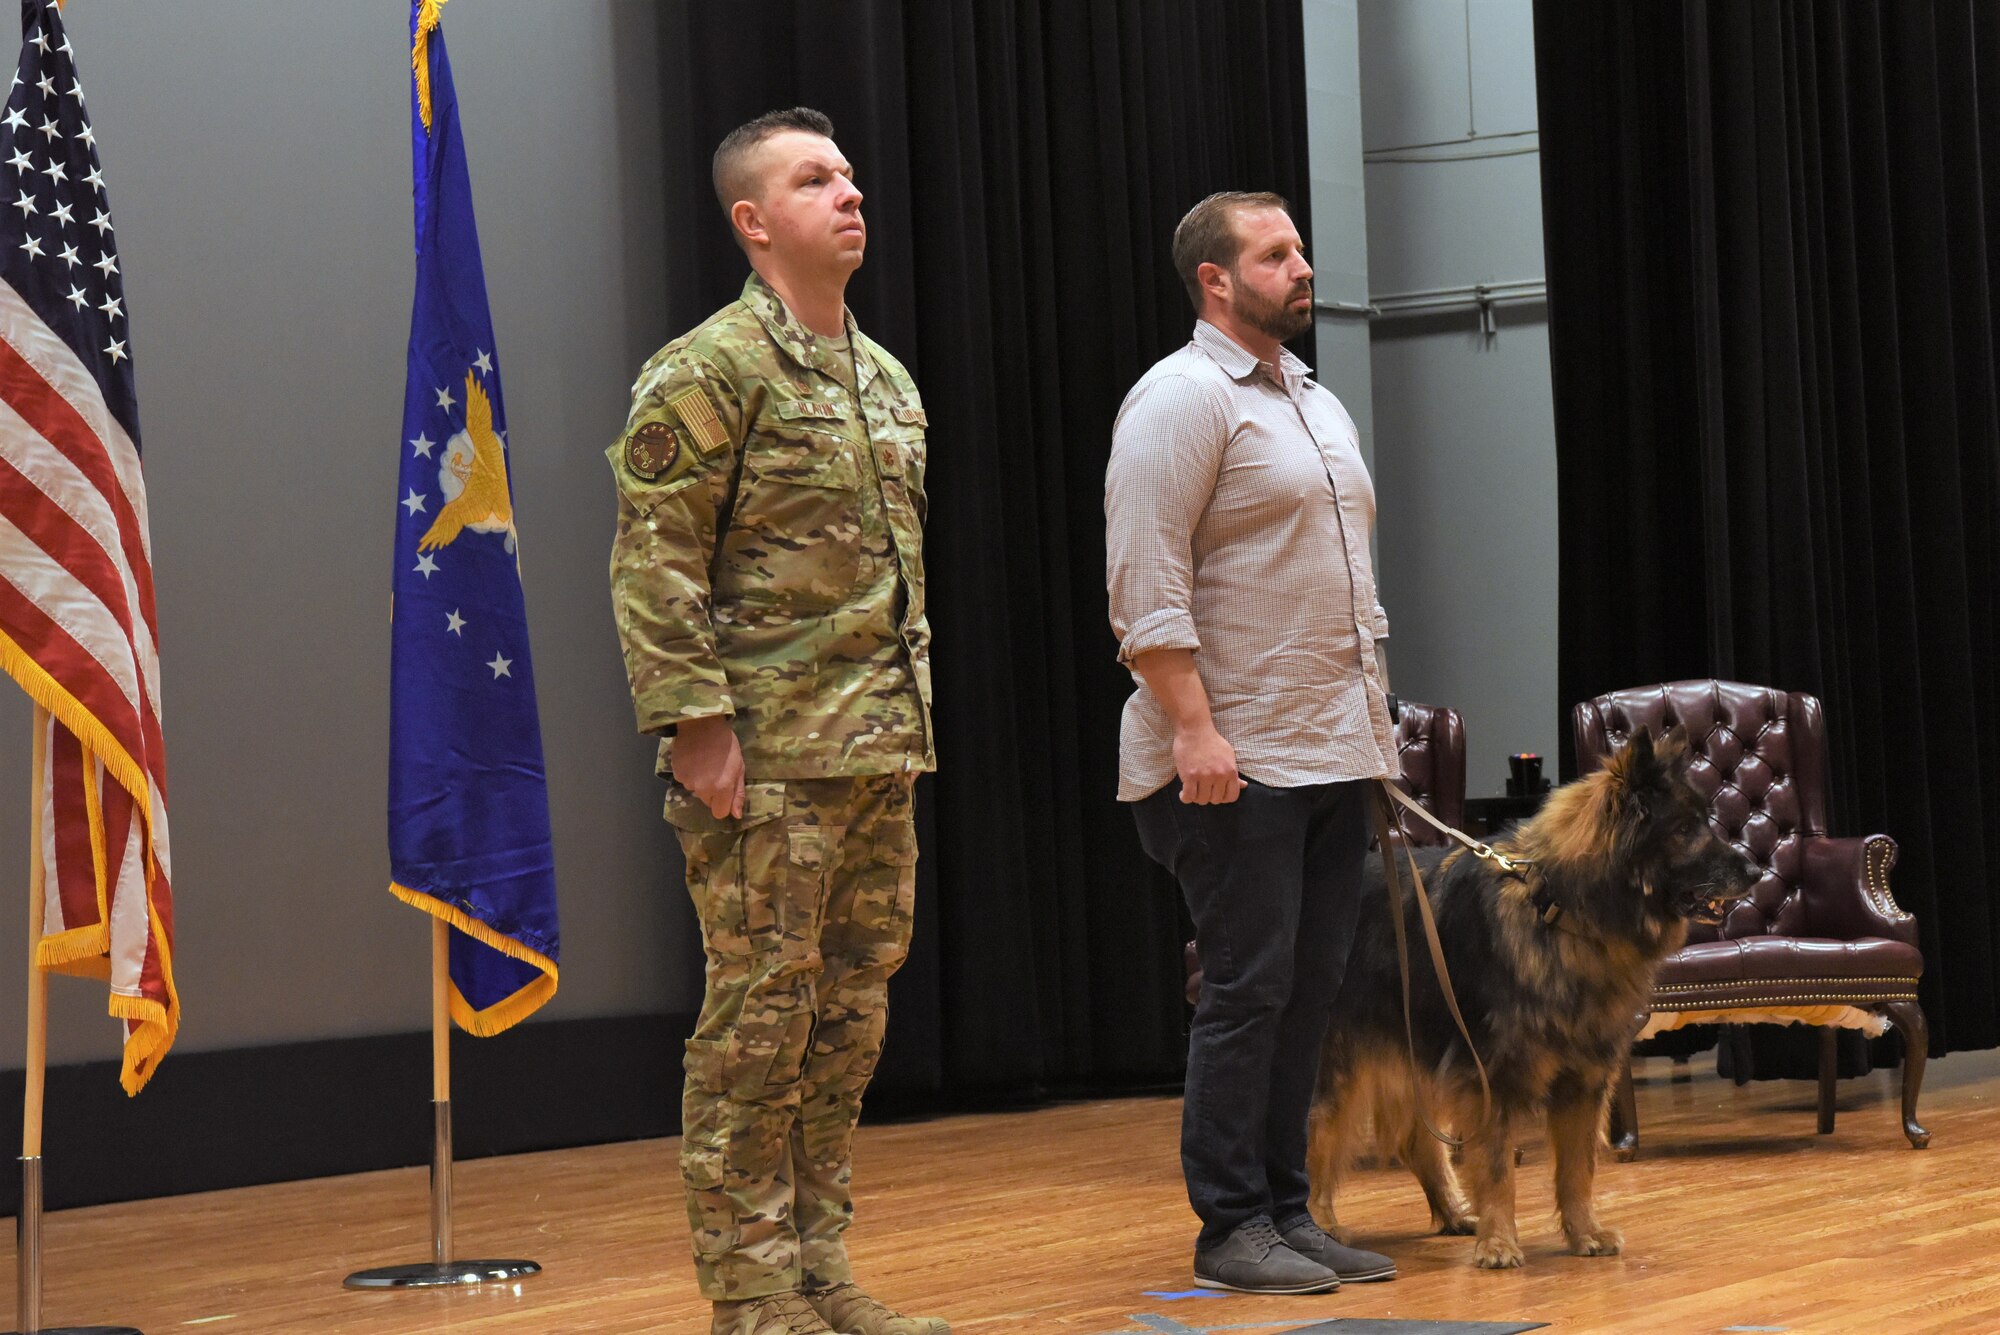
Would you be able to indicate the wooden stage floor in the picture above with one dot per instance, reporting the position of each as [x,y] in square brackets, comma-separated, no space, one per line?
[1736,1217]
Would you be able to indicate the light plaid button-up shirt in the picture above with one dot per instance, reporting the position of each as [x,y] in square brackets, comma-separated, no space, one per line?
[1237,522]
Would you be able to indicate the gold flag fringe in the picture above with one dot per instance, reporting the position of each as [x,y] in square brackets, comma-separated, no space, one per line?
[420,56]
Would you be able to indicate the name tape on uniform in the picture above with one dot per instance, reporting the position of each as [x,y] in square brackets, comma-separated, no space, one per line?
[792,409]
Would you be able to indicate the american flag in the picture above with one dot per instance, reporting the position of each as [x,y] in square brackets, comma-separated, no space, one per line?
[77,628]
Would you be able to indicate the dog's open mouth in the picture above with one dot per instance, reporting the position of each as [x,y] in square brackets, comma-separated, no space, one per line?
[1710,907]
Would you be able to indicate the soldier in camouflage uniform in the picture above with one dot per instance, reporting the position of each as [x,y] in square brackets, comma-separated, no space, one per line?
[769,588]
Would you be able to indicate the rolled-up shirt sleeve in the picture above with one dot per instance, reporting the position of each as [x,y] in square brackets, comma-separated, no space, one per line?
[1165,452]
[1381,626]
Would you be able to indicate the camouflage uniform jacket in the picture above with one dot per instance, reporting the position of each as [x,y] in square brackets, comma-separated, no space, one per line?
[808,624]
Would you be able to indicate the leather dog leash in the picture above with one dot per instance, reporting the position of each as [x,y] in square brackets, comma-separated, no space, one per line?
[1546,909]
[1383,810]
[1473,846]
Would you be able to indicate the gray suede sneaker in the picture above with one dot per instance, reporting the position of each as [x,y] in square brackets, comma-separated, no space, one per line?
[1353,1265]
[1254,1259]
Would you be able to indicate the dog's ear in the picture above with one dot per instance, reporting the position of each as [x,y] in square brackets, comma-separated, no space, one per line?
[1636,770]
[1674,750]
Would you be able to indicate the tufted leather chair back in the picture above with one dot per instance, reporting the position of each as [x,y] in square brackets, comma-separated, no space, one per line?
[1759,759]
[1430,742]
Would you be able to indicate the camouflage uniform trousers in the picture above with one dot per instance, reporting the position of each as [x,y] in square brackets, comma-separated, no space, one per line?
[805,905]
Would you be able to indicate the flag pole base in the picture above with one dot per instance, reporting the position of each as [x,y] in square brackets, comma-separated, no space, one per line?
[432,1274]
[28,1260]
[440,1273]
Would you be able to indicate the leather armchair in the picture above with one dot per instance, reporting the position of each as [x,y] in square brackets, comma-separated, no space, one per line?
[1819,939]
[1430,752]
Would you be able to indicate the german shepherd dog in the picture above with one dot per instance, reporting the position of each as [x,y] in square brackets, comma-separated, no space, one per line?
[1552,964]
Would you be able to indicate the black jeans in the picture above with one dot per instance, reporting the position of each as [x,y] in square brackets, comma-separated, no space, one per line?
[1273,881]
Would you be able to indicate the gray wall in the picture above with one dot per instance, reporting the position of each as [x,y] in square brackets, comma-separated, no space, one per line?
[1464,425]
[257,159]
[1339,243]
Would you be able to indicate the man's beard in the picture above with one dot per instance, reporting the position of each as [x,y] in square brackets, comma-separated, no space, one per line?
[1274,318]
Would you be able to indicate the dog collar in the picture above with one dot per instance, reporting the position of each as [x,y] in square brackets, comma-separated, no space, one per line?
[1551,914]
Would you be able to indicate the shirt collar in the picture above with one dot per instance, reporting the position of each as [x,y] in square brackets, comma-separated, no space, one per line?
[797,341]
[1238,361]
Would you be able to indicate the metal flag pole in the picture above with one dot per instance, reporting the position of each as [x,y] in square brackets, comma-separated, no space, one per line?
[28,1221]
[440,1269]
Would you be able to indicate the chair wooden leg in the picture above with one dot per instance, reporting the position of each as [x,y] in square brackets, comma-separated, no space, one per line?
[1624,1127]
[1829,1071]
[1908,1017]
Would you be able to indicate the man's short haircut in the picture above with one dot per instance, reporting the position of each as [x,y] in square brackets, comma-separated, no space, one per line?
[1207,235]
[731,168]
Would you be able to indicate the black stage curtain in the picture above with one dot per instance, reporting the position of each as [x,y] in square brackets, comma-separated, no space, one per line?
[1024,163]
[1773,235]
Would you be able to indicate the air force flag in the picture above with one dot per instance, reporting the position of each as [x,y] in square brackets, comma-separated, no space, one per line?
[468,800]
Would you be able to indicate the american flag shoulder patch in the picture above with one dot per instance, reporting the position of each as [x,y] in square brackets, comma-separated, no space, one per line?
[697,414]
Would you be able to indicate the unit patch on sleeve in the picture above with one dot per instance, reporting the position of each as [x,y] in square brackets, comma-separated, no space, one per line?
[651,449]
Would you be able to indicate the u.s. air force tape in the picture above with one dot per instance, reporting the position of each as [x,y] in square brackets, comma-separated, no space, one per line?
[697,414]
[651,449]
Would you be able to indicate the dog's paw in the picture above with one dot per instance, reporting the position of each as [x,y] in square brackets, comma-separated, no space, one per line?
[1597,1241]
[1342,1234]
[1496,1254]
[1459,1226]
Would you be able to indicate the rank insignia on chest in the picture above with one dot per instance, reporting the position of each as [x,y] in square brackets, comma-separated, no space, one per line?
[651,449]
[697,414]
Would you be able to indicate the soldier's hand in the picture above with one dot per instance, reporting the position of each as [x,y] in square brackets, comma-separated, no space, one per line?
[1207,765]
[708,762]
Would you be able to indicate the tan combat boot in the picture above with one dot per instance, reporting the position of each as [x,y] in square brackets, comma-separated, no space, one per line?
[776,1314]
[848,1308]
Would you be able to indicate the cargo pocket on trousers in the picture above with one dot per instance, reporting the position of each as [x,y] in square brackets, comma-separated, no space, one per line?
[765,1052]
[805,884]
[826,1123]
[767,1049]
[885,899]
[711,1214]
[704,1160]
[828,1139]
[721,872]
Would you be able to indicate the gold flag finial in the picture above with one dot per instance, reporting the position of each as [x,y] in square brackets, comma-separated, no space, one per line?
[420,52]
